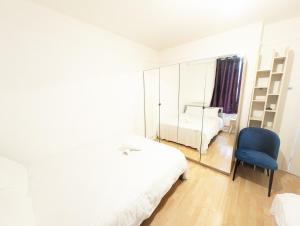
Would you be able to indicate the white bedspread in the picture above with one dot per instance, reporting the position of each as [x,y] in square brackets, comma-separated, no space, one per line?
[104,186]
[15,204]
[189,130]
[285,209]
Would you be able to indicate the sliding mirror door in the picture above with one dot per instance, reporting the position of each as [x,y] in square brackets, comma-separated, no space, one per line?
[223,84]
[169,90]
[194,106]
[191,98]
[151,103]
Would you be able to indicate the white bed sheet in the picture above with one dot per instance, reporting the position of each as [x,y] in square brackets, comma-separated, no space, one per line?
[285,208]
[105,187]
[189,131]
[15,204]
[13,176]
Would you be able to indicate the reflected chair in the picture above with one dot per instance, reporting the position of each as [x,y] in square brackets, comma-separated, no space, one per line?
[258,147]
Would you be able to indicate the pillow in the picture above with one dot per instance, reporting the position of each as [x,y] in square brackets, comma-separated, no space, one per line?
[13,176]
[212,112]
[194,111]
[15,209]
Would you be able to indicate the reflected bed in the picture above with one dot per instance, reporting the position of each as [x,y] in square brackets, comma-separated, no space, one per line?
[190,127]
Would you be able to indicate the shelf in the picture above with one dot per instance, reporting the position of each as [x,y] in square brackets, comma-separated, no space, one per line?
[263,71]
[260,87]
[278,65]
[255,119]
[260,95]
[267,91]
[279,58]
[262,78]
[255,124]
[268,127]
[259,101]
[275,84]
[277,73]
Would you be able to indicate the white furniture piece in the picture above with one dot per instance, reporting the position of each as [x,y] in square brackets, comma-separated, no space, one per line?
[191,130]
[269,88]
[15,204]
[114,184]
[285,209]
[232,124]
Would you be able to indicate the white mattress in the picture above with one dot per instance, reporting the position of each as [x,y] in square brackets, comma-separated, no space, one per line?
[103,186]
[189,130]
[285,208]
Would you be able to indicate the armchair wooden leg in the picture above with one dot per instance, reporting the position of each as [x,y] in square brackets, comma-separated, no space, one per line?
[270,182]
[268,172]
[237,163]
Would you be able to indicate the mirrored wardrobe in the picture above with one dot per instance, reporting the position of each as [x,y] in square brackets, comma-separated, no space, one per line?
[194,106]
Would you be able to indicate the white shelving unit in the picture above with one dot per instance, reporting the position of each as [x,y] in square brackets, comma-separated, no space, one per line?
[267,93]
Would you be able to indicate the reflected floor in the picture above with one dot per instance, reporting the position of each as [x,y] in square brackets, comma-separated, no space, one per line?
[219,153]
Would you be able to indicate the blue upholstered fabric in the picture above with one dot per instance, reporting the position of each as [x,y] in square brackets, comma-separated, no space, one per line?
[256,158]
[259,147]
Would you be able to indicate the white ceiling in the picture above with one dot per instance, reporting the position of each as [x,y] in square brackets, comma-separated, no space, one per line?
[165,23]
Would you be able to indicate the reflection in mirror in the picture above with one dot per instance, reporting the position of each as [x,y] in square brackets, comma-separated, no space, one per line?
[220,114]
[208,108]
[169,89]
[191,102]
[193,106]
[151,100]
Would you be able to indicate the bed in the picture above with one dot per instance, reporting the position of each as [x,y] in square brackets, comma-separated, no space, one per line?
[190,126]
[115,185]
[285,208]
[15,204]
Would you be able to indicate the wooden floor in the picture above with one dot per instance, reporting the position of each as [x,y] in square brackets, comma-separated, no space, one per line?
[209,198]
[219,153]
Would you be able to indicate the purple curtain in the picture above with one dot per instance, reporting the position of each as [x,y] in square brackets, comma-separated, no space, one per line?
[227,84]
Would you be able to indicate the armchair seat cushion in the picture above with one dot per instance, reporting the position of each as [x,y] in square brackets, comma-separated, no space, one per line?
[256,158]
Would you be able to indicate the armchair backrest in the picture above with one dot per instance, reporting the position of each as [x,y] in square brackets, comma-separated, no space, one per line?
[259,139]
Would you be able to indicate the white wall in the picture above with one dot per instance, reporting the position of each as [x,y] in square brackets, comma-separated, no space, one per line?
[244,41]
[151,86]
[64,83]
[278,36]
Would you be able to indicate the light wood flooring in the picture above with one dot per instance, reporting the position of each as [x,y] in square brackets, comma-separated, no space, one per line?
[219,153]
[209,198]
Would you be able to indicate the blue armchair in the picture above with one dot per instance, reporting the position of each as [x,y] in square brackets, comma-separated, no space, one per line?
[258,147]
